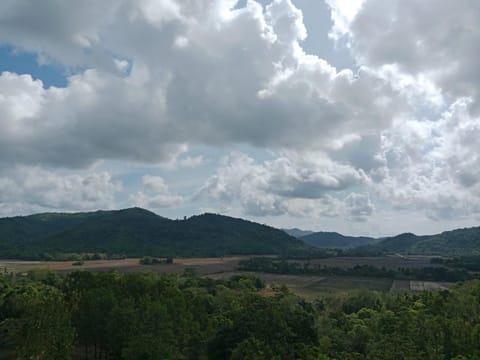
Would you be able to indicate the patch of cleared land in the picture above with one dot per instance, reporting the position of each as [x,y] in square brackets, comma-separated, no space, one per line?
[312,287]
[427,285]
[406,285]
[201,266]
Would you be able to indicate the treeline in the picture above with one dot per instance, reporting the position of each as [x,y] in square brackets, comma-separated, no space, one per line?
[145,316]
[283,266]
[148,260]
[79,256]
[470,263]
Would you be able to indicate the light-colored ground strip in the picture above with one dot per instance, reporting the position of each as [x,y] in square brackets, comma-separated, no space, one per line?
[427,286]
[400,285]
[417,286]
[6,269]
[434,286]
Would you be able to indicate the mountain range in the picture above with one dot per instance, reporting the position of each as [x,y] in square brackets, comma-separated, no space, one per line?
[458,242]
[137,232]
[298,233]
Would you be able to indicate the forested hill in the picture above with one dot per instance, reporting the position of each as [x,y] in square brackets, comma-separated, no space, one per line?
[456,242]
[335,240]
[138,232]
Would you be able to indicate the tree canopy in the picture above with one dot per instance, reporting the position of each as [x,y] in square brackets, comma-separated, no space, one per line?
[147,316]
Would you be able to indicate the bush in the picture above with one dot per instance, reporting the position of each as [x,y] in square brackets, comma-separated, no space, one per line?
[148,260]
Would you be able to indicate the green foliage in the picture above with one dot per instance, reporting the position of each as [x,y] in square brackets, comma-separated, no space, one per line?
[148,260]
[470,263]
[136,233]
[42,327]
[148,316]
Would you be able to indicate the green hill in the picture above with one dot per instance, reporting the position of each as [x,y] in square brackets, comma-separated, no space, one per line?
[138,232]
[335,240]
[455,242]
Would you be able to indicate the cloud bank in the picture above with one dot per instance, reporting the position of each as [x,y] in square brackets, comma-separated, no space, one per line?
[150,80]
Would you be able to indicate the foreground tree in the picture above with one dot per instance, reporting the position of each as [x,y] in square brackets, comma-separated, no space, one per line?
[43,330]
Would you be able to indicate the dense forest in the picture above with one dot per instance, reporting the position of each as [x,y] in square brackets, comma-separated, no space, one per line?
[137,232]
[145,316]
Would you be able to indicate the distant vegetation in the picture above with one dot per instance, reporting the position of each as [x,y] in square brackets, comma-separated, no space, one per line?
[148,260]
[470,263]
[282,266]
[145,316]
[136,233]
[460,242]
[297,232]
[335,240]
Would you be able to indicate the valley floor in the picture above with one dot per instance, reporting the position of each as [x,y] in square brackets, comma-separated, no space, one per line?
[307,286]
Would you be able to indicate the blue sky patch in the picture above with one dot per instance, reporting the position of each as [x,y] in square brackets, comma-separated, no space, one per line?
[21,62]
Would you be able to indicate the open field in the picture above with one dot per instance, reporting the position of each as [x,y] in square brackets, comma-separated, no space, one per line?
[201,266]
[209,265]
[311,287]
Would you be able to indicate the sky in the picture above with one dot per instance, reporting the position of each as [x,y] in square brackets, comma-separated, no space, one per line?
[356,116]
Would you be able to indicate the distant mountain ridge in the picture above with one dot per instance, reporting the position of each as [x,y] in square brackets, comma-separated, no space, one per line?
[454,242]
[458,242]
[298,233]
[325,239]
[139,232]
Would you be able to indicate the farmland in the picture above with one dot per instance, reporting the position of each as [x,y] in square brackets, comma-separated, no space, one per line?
[307,286]
[201,266]
[206,266]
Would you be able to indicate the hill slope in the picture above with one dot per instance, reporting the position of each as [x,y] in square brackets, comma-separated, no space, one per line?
[298,233]
[455,242]
[138,232]
[335,240]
